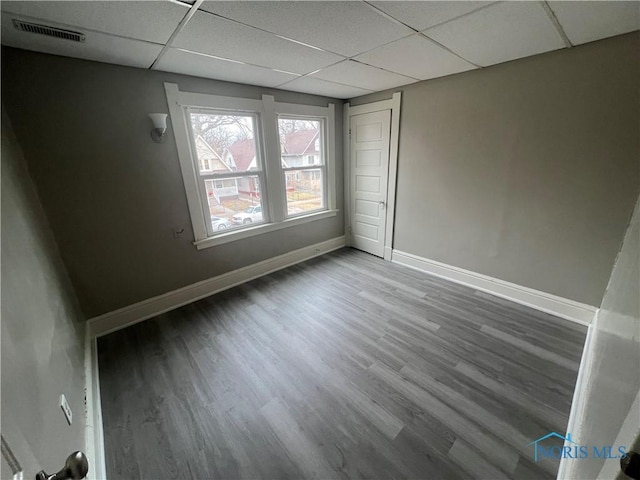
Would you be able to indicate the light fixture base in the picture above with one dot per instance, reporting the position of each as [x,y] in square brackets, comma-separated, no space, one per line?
[158,135]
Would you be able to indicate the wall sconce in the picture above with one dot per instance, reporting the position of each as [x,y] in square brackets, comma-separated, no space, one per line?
[159,126]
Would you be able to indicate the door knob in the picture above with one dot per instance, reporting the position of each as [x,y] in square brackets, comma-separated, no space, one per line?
[75,468]
[630,465]
[382,204]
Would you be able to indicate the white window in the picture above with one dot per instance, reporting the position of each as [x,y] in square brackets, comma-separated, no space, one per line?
[235,192]
[252,166]
[305,189]
[205,165]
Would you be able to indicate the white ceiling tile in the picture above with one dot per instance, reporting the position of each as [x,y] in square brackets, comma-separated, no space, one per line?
[207,33]
[150,21]
[362,76]
[97,46]
[499,33]
[347,28]
[588,21]
[421,15]
[322,87]
[416,57]
[178,61]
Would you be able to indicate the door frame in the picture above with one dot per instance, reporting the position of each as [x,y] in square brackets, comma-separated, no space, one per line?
[392,104]
[94,430]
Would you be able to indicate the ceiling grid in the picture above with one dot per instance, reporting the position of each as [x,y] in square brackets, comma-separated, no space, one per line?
[339,49]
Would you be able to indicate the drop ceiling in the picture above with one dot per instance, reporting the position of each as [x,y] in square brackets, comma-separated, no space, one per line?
[340,49]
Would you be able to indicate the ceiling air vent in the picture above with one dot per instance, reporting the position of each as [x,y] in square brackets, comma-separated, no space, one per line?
[48,31]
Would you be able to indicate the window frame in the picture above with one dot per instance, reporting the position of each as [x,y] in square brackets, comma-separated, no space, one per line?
[201,178]
[273,185]
[322,166]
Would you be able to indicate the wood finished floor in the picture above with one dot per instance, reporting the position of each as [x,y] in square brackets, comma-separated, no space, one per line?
[345,366]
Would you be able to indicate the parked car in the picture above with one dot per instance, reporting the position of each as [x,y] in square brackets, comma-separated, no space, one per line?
[219,223]
[250,215]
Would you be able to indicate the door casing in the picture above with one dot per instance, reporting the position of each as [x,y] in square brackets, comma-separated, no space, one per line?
[392,104]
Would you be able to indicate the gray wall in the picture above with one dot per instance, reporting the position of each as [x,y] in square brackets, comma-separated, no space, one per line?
[111,194]
[525,171]
[42,327]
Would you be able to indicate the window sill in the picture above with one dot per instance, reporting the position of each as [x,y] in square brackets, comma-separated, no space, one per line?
[260,229]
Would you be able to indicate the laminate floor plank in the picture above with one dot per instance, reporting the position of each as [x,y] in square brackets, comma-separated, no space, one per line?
[533,407]
[498,451]
[342,367]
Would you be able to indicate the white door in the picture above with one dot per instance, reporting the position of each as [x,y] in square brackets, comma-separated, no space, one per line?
[369,172]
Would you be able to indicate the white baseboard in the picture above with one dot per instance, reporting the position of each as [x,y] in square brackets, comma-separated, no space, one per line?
[545,302]
[126,316]
[94,437]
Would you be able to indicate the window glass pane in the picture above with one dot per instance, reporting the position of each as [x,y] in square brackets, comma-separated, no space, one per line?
[300,142]
[224,143]
[301,145]
[304,190]
[234,202]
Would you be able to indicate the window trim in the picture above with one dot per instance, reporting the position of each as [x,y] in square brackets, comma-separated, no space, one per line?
[274,203]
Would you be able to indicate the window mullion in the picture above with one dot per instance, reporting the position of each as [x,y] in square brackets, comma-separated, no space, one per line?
[272,165]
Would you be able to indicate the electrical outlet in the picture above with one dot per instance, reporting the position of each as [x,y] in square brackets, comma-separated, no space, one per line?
[66,409]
